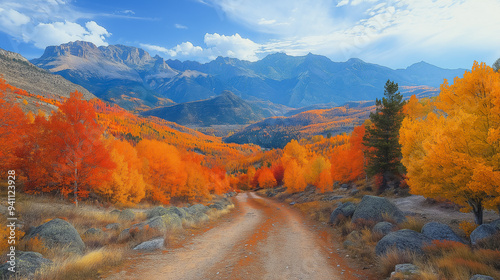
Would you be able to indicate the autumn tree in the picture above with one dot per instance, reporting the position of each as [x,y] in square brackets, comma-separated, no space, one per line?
[12,128]
[347,161]
[294,179]
[266,178]
[81,159]
[126,184]
[382,136]
[164,170]
[454,152]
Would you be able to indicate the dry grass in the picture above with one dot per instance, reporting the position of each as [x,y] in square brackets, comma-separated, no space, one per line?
[413,224]
[454,260]
[89,266]
[387,262]
[317,210]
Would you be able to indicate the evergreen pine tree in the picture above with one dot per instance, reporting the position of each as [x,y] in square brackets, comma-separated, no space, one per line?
[382,138]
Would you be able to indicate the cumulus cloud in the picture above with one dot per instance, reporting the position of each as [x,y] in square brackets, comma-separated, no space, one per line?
[48,34]
[51,22]
[216,45]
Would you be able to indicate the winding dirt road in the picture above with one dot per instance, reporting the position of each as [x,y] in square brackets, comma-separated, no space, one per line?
[263,239]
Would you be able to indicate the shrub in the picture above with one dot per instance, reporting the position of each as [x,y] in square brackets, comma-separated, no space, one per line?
[467,227]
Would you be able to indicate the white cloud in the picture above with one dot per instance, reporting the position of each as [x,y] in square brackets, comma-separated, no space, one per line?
[48,34]
[180,26]
[216,45]
[49,22]
[232,46]
[435,30]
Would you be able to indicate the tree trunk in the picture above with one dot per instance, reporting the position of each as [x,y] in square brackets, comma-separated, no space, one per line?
[75,190]
[477,209]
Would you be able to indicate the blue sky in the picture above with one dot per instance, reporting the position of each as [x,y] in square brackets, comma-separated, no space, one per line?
[398,33]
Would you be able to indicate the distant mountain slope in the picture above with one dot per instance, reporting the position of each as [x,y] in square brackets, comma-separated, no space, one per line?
[119,74]
[19,72]
[226,108]
[132,78]
[276,132]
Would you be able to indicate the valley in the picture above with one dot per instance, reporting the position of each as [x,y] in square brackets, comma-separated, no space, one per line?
[288,167]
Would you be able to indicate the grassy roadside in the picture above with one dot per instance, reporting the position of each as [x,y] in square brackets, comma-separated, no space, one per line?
[442,260]
[106,247]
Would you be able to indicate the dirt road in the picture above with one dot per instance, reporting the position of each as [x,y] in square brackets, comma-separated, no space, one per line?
[263,239]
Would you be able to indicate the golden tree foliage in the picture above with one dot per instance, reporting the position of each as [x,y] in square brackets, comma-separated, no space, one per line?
[127,184]
[165,169]
[294,179]
[455,153]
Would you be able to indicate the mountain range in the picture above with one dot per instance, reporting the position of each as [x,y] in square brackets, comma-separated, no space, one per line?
[133,79]
[225,109]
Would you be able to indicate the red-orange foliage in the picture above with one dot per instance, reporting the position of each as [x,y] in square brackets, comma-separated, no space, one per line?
[266,178]
[165,169]
[81,160]
[278,172]
[348,160]
[12,129]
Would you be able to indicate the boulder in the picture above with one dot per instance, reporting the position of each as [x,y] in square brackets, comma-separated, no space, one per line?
[154,244]
[439,231]
[93,232]
[58,233]
[115,212]
[481,232]
[181,212]
[27,265]
[197,208]
[113,226]
[495,223]
[481,277]
[376,208]
[402,240]
[200,217]
[126,215]
[217,205]
[383,228]
[172,221]
[406,269]
[157,211]
[345,209]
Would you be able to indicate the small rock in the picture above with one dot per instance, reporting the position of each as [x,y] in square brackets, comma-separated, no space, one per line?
[406,268]
[93,232]
[113,226]
[292,203]
[126,215]
[150,245]
[481,277]
[383,228]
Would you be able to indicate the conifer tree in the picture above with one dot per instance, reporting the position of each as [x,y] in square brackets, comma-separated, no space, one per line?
[382,138]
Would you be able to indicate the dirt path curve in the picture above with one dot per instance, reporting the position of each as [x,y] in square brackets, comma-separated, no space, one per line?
[264,239]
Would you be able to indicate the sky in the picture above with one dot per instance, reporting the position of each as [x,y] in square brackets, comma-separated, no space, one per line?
[397,33]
